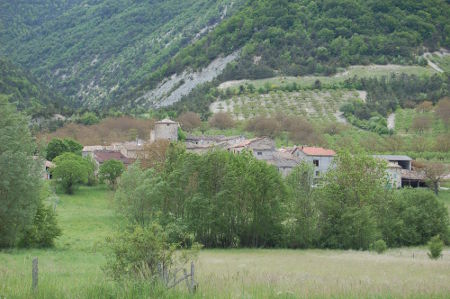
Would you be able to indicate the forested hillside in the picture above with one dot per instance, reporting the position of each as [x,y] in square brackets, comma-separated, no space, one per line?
[106,54]
[24,90]
[95,50]
[316,37]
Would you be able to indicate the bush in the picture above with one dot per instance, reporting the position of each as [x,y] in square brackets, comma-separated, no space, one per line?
[435,246]
[43,230]
[138,253]
[110,171]
[378,246]
[221,121]
[57,147]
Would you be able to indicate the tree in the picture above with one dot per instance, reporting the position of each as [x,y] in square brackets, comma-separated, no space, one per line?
[421,123]
[425,106]
[20,175]
[350,200]
[69,171]
[189,121]
[443,110]
[110,171]
[139,195]
[221,120]
[434,173]
[435,247]
[58,146]
[303,211]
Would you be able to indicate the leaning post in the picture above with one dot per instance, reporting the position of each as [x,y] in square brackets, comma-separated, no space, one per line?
[34,274]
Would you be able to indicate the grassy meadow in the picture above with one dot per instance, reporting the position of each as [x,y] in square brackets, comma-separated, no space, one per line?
[73,269]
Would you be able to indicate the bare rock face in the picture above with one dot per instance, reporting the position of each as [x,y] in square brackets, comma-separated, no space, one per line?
[173,89]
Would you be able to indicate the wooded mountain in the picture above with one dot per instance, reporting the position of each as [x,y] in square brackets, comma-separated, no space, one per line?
[94,50]
[109,53]
[26,92]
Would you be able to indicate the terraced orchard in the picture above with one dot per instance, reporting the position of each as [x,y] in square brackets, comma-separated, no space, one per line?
[323,104]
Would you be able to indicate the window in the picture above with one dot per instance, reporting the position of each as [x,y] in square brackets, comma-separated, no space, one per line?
[316,163]
[259,153]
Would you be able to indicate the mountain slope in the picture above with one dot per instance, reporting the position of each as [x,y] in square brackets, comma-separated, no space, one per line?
[29,95]
[313,37]
[95,50]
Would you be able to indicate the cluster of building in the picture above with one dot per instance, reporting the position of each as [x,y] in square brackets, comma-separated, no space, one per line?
[399,169]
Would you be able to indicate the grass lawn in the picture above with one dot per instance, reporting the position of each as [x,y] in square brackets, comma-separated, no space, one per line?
[73,268]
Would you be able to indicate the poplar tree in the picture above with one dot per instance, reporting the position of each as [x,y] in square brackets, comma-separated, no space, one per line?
[20,173]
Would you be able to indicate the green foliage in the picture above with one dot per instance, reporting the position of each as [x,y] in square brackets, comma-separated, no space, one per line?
[88,118]
[139,195]
[110,171]
[70,170]
[378,246]
[349,200]
[302,225]
[137,253]
[222,199]
[26,92]
[94,52]
[57,147]
[44,229]
[20,175]
[414,216]
[435,246]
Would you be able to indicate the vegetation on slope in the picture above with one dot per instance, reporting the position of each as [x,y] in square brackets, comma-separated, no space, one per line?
[94,50]
[26,92]
[305,37]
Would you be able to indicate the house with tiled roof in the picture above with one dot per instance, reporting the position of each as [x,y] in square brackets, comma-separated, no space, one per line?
[321,158]
[102,156]
[263,148]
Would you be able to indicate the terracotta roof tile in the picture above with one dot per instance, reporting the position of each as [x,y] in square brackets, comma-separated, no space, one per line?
[102,156]
[315,151]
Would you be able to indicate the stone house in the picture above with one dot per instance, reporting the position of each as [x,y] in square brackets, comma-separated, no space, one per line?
[321,158]
[102,156]
[284,162]
[165,129]
[263,148]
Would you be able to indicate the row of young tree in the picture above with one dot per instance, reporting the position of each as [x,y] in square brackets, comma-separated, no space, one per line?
[225,200]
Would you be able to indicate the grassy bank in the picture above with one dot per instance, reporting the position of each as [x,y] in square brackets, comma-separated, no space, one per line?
[73,268]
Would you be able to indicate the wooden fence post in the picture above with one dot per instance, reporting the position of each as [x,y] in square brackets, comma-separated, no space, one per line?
[34,274]
[192,278]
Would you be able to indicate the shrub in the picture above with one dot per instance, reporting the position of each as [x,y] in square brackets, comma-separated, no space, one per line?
[189,121]
[435,246]
[43,230]
[138,253]
[378,246]
[221,121]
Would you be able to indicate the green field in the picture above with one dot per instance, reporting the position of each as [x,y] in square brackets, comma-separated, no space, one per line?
[73,268]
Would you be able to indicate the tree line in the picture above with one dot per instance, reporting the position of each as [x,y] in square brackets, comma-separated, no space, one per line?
[226,200]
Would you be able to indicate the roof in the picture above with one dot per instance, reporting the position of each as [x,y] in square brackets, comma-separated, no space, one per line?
[412,175]
[283,159]
[393,165]
[102,156]
[166,121]
[246,143]
[393,157]
[315,151]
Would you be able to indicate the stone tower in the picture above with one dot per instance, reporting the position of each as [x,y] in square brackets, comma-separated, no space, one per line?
[165,129]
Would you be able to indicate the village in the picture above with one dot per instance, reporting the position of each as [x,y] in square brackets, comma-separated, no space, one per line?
[400,171]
